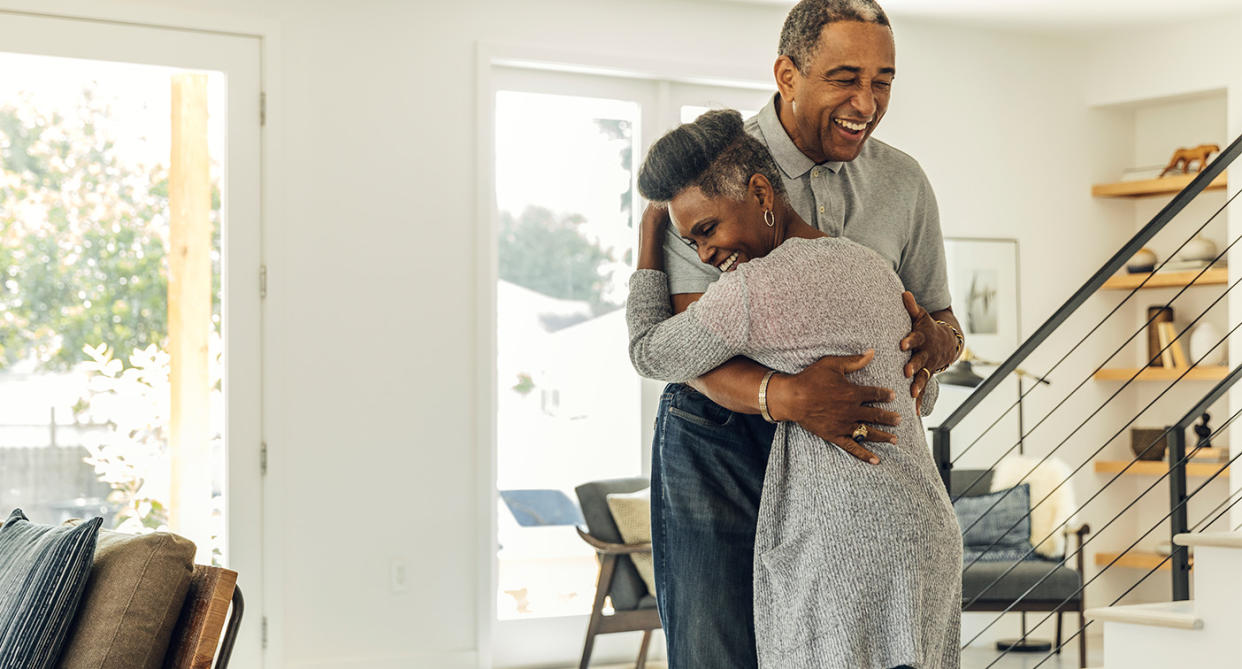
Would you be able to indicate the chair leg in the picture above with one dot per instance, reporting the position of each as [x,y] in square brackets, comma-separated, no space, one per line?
[642,650]
[1060,614]
[602,586]
[1082,638]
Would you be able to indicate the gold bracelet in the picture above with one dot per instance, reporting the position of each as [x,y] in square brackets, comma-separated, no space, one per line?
[957,351]
[763,396]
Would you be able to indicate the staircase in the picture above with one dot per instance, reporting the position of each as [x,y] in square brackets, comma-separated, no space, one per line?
[1204,633]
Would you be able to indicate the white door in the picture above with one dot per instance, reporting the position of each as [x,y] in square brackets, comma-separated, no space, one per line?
[121,60]
[567,406]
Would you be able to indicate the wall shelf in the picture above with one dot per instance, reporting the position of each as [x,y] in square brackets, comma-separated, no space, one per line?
[1201,373]
[1137,560]
[1213,277]
[1159,467]
[1149,187]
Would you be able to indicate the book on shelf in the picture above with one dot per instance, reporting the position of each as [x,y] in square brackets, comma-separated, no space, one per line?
[1175,348]
[1166,353]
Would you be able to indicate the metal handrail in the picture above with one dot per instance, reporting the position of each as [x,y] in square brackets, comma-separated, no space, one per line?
[941,445]
[1097,280]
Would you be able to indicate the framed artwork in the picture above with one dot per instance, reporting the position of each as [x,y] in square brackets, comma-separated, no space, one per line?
[983,280]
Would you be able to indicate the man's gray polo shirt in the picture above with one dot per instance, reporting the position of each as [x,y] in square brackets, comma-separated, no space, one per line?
[881,199]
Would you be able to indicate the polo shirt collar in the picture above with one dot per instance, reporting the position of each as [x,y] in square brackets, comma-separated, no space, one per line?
[788,156]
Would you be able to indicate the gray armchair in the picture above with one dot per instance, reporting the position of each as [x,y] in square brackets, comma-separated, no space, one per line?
[1059,592]
[634,609]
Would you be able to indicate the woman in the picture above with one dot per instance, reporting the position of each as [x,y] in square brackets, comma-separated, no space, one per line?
[790,295]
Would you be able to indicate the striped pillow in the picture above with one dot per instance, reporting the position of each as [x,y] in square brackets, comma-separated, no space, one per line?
[43,571]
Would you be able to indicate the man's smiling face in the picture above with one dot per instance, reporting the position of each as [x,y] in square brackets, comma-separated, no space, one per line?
[844,93]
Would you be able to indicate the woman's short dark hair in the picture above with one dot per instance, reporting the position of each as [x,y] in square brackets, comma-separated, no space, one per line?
[714,153]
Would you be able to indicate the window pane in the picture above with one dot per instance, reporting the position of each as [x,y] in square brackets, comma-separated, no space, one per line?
[568,399]
[84,302]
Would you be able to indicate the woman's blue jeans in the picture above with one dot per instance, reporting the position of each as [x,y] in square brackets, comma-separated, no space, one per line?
[707,469]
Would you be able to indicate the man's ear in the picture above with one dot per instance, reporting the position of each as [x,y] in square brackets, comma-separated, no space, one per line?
[761,190]
[787,75]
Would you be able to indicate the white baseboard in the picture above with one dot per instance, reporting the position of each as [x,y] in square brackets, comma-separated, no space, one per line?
[460,660]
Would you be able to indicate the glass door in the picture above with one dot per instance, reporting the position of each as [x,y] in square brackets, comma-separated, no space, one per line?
[129,318]
[568,406]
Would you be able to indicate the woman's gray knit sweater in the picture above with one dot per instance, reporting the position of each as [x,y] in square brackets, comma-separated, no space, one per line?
[857,566]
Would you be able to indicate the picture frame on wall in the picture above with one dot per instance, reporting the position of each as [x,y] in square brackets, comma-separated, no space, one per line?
[983,281]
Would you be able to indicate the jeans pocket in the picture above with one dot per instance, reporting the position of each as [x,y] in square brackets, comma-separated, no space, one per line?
[694,407]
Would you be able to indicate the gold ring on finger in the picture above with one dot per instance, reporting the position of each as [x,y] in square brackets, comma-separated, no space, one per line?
[860,433]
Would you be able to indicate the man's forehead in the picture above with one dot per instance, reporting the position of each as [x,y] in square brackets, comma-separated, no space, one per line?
[855,44]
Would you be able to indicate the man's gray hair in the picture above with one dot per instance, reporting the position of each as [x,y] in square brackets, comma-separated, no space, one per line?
[805,22]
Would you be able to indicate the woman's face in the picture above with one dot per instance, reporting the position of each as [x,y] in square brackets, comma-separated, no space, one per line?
[724,231]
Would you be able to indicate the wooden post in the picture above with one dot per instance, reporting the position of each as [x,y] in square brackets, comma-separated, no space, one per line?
[189,313]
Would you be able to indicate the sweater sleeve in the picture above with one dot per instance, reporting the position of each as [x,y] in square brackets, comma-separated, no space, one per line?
[684,346]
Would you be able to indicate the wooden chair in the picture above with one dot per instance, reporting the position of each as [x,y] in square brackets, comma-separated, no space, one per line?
[634,609]
[1059,592]
[198,632]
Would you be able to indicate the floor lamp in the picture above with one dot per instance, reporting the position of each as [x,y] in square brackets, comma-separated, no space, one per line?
[963,374]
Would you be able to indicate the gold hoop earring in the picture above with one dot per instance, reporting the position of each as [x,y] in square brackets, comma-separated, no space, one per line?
[769,218]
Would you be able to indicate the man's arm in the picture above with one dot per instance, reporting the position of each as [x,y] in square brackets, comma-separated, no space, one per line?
[933,346]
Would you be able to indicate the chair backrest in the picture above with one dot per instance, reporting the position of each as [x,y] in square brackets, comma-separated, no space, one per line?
[203,615]
[627,587]
[969,482]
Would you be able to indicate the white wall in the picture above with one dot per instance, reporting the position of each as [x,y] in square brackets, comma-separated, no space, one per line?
[371,359]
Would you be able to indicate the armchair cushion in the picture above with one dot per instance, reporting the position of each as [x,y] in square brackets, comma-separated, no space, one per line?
[995,526]
[43,571]
[1062,584]
[632,514]
[137,585]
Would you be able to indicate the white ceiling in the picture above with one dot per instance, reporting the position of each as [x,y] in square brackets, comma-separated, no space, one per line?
[1057,14]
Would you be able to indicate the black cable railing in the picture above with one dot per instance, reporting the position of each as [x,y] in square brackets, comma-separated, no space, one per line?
[1177,464]
[1114,561]
[1097,451]
[1173,435]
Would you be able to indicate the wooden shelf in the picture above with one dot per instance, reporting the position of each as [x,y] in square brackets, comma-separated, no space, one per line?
[1213,277]
[1137,560]
[1213,373]
[1158,467]
[1149,187]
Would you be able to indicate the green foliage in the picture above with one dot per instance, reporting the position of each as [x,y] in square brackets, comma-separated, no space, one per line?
[82,239]
[547,253]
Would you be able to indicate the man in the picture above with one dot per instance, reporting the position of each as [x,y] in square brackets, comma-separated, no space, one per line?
[833,75]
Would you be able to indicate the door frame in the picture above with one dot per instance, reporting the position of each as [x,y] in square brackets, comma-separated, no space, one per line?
[108,31]
[661,75]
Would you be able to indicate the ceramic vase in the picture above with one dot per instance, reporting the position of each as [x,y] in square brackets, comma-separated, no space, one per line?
[1202,340]
[1143,261]
[1198,248]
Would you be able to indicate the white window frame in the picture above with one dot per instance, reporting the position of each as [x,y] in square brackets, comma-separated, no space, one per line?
[661,87]
[239,56]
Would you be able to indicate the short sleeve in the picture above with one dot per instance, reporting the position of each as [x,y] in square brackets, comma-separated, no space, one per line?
[923,269]
[686,273]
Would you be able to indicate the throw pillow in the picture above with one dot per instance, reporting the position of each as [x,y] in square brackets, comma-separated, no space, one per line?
[132,600]
[1006,524]
[1050,519]
[43,571]
[632,514]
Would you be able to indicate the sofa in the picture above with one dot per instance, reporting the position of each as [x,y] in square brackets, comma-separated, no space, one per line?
[77,596]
